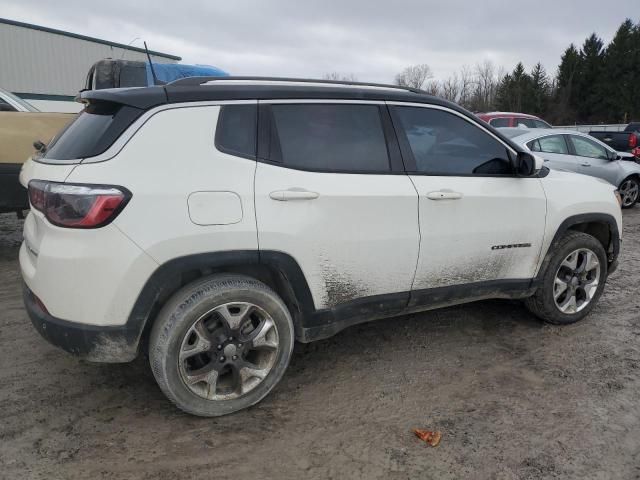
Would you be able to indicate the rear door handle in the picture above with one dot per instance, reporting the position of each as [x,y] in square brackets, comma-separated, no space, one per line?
[585,164]
[444,195]
[294,194]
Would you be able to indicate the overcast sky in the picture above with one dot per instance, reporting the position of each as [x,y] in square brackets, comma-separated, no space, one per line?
[371,39]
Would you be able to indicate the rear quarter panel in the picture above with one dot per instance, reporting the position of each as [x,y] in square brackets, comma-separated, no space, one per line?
[170,161]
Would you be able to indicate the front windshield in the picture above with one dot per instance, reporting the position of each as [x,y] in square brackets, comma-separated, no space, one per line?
[26,105]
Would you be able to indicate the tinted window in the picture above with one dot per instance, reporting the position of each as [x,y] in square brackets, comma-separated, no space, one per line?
[553,144]
[236,131]
[5,107]
[443,143]
[23,103]
[588,148]
[524,122]
[541,124]
[92,131]
[499,122]
[329,137]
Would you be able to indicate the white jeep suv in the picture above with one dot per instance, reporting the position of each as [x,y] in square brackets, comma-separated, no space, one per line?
[212,222]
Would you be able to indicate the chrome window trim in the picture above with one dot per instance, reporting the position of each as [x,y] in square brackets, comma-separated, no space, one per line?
[464,117]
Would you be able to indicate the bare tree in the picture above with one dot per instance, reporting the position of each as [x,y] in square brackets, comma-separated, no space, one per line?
[433,88]
[340,77]
[414,76]
[466,86]
[486,86]
[450,88]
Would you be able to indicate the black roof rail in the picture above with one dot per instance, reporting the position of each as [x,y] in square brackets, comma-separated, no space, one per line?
[194,81]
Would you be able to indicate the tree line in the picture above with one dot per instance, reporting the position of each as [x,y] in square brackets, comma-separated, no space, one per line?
[595,83]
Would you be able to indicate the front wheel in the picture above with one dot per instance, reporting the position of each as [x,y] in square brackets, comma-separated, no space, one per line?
[573,281]
[221,344]
[629,191]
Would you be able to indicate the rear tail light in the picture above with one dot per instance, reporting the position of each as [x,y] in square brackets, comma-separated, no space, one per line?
[76,205]
[633,141]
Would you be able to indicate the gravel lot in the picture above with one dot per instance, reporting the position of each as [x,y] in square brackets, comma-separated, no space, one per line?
[514,399]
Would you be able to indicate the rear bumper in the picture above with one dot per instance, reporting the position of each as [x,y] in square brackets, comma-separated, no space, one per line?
[13,196]
[110,344]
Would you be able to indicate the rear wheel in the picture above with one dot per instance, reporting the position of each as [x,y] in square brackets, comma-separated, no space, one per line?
[221,344]
[629,191]
[573,281]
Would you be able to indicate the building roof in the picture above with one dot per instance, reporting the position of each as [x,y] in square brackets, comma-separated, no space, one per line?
[85,38]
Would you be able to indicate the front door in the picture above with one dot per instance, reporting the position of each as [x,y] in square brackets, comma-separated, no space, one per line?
[594,159]
[478,222]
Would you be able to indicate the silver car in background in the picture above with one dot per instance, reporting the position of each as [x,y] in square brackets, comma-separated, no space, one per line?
[581,153]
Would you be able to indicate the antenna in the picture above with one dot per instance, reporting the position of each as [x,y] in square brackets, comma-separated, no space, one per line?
[153,72]
[124,50]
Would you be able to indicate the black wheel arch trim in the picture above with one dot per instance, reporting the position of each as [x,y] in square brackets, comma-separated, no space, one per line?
[166,273]
[612,250]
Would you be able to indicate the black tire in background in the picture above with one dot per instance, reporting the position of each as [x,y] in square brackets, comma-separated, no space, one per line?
[182,312]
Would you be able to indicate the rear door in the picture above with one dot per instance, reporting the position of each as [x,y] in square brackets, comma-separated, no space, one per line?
[330,191]
[478,222]
[555,151]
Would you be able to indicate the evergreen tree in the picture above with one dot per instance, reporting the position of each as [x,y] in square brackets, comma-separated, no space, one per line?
[540,90]
[567,76]
[588,85]
[515,91]
[619,89]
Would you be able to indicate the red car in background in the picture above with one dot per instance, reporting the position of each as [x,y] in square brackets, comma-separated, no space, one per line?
[510,119]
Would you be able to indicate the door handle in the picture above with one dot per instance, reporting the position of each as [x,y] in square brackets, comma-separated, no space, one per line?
[444,195]
[297,194]
[585,164]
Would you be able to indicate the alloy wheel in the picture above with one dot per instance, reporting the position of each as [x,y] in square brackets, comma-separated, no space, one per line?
[576,281]
[629,192]
[228,351]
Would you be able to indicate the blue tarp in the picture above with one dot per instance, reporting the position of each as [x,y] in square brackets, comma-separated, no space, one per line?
[168,72]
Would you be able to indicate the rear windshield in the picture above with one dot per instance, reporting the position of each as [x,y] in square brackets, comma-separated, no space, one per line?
[92,131]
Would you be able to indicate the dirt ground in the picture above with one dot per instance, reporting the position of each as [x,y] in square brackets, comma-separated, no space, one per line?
[514,399]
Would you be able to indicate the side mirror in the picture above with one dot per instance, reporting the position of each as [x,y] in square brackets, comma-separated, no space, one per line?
[528,164]
[624,156]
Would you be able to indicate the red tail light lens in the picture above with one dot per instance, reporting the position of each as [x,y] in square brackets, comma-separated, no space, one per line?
[633,141]
[76,205]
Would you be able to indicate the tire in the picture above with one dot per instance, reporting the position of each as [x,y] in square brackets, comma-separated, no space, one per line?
[202,317]
[543,304]
[629,191]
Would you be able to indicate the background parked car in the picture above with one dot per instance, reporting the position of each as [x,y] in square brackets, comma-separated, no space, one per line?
[511,119]
[578,152]
[20,125]
[626,141]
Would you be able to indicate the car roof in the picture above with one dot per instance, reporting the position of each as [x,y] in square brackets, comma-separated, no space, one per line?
[508,114]
[206,89]
[199,89]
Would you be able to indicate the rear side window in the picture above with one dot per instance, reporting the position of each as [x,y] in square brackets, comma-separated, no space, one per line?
[499,122]
[525,122]
[552,144]
[329,137]
[92,131]
[236,130]
[445,144]
[541,124]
